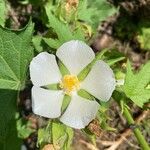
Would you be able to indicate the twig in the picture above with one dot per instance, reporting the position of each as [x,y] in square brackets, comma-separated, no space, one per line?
[132,145]
[89,145]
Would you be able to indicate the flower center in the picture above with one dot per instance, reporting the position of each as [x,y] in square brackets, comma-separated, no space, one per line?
[69,83]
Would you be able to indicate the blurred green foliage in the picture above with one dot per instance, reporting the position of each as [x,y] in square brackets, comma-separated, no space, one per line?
[143,36]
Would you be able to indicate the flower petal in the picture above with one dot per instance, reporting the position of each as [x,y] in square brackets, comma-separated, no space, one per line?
[100,81]
[80,112]
[46,103]
[44,70]
[75,55]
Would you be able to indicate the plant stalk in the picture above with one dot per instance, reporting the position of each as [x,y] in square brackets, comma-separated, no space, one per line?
[144,145]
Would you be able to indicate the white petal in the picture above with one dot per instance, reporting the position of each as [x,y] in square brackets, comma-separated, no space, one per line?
[80,112]
[100,82]
[75,55]
[44,70]
[46,103]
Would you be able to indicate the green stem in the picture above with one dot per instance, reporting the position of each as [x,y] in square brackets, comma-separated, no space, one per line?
[144,145]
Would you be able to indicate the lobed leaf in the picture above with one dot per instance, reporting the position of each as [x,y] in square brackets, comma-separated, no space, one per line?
[63,31]
[135,84]
[98,11]
[15,55]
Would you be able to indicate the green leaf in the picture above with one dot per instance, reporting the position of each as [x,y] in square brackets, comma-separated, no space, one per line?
[44,135]
[115,60]
[53,43]
[56,134]
[24,128]
[85,13]
[37,43]
[135,84]
[62,135]
[104,9]
[11,140]
[15,55]
[79,34]
[113,56]
[62,30]
[8,107]
[2,12]
[103,117]
[105,126]
[8,132]
[94,12]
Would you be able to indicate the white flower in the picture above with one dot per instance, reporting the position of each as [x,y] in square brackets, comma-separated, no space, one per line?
[75,55]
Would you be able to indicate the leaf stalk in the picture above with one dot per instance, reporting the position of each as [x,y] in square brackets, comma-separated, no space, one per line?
[144,145]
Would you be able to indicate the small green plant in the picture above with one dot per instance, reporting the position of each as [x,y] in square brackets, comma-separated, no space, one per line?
[71,85]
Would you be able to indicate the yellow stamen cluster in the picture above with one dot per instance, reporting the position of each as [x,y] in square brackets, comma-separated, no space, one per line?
[70,83]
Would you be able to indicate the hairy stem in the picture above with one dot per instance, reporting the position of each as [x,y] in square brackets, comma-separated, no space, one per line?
[136,130]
